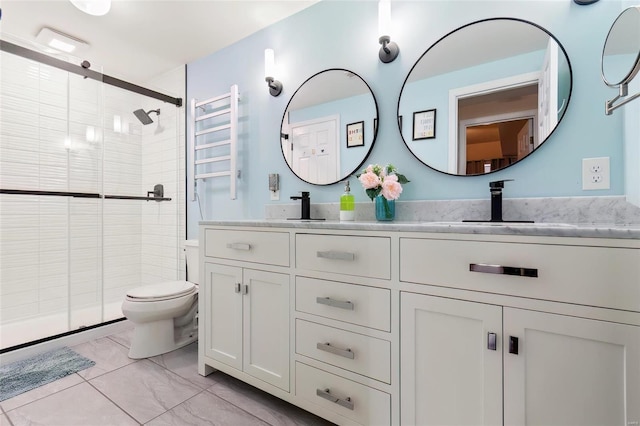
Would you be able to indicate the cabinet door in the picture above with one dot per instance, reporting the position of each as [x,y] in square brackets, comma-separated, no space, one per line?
[266,329]
[570,371]
[448,375]
[223,316]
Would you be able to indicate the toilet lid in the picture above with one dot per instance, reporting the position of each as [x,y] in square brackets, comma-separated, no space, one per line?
[165,290]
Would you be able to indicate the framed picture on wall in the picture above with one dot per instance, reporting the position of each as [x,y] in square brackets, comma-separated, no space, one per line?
[424,124]
[355,134]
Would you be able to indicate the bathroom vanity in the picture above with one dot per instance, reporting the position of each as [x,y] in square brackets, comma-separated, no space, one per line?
[427,323]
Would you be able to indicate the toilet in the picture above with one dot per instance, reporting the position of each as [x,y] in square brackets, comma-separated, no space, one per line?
[164,314]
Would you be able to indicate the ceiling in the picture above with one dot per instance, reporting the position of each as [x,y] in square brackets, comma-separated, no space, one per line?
[141,39]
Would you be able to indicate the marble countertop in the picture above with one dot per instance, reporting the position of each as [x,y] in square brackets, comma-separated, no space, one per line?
[530,229]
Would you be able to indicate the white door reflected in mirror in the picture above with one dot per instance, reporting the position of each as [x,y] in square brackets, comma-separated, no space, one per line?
[316,125]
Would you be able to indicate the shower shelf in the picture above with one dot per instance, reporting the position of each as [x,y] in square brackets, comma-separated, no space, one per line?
[226,111]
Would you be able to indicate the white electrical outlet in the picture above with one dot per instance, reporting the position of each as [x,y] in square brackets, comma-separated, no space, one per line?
[595,173]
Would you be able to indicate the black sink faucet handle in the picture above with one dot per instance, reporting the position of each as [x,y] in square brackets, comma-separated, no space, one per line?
[498,184]
[302,196]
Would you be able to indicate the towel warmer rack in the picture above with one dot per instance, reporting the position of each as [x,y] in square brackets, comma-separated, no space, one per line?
[208,130]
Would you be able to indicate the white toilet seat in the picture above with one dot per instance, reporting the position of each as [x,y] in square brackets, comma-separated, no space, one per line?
[162,291]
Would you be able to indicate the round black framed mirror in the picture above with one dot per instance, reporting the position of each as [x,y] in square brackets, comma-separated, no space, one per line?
[329,127]
[484,96]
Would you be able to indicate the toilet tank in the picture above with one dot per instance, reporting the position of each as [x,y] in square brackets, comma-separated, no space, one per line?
[192,256]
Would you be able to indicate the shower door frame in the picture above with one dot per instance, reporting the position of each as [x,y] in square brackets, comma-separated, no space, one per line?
[85,72]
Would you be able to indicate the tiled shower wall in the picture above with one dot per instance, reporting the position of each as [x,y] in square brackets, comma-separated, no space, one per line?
[60,132]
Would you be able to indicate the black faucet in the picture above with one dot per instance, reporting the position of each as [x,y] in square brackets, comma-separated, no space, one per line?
[496,204]
[496,199]
[306,205]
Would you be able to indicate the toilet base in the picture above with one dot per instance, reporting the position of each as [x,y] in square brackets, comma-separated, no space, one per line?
[159,337]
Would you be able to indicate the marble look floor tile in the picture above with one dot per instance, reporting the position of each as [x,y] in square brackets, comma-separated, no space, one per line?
[4,421]
[79,405]
[206,409]
[107,354]
[184,362]
[124,337]
[267,407]
[41,392]
[144,389]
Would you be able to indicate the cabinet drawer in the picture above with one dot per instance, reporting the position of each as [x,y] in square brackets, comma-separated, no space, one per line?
[349,255]
[355,352]
[250,246]
[355,304]
[596,276]
[357,402]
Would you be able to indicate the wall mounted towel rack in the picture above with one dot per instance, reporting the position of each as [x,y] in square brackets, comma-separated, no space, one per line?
[214,127]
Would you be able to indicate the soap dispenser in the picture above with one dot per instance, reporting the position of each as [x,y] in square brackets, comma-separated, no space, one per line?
[347,204]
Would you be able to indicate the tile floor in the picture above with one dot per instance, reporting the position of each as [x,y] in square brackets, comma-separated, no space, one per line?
[158,391]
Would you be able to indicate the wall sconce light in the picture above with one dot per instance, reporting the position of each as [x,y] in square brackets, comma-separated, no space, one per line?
[275,87]
[389,50]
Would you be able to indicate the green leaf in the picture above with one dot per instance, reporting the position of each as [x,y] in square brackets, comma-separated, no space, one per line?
[402,179]
[373,193]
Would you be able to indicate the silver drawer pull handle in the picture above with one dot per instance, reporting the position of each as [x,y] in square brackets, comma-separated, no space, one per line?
[335,303]
[347,353]
[336,255]
[326,394]
[239,246]
[503,270]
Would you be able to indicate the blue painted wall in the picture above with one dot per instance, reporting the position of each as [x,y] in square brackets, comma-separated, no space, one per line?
[343,34]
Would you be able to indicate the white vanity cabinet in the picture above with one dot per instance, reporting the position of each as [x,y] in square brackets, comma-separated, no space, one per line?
[561,363]
[562,370]
[570,370]
[343,344]
[449,376]
[364,324]
[244,310]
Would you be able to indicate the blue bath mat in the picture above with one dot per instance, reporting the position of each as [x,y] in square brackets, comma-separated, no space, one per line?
[22,376]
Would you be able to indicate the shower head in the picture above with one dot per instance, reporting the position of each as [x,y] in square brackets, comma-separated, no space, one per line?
[144,116]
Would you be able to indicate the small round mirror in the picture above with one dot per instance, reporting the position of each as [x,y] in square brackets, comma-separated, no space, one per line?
[329,127]
[621,53]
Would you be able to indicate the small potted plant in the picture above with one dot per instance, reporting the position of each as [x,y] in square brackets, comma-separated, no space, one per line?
[383,184]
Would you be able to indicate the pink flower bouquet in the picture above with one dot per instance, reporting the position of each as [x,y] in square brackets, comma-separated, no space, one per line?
[385,181]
